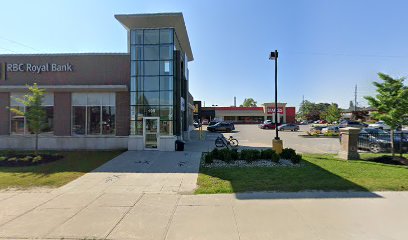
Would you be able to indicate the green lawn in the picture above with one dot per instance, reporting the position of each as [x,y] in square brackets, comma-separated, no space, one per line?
[319,172]
[55,174]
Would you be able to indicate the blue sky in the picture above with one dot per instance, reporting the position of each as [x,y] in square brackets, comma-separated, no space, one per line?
[325,47]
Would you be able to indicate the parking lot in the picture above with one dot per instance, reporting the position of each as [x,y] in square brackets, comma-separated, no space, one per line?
[252,136]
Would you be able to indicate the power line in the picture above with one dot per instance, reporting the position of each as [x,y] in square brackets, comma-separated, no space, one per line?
[8,50]
[18,43]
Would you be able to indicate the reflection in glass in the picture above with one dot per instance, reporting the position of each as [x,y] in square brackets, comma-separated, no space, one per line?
[166,98]
[151,67]
[151,52]
[166,52]
[151,36]
[136,53]
[151,83]
[78,123]
[151,98]
[166,127]
[166,35]
[94,120]
[166,113]
[137,36]
[108,120]
[166,82]
[17,122]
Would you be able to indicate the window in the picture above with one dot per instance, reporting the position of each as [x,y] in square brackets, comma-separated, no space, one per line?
[151,85]
[19,125]
[93,113]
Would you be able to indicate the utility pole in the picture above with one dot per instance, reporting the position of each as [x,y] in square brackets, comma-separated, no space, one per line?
[355,98]
[235,101]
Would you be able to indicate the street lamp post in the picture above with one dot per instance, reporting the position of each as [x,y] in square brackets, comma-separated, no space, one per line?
[276,143]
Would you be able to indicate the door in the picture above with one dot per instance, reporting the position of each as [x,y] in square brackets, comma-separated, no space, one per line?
[151,132]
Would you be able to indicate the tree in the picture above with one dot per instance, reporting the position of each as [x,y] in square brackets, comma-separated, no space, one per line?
[312,111]
[34,113]
[332,113]
[391,102]
[249,102]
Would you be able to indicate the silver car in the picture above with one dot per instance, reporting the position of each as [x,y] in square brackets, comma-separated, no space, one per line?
[289,126]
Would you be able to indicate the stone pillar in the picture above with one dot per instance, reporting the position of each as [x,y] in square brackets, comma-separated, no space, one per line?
[349,141]
[62,113]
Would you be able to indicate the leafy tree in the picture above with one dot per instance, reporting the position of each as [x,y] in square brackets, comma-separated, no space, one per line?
[249,102]
[332,113]
[312,111]
[391,102]
[35,113]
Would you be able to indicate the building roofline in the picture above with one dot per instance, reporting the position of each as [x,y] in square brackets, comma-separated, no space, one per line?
[159,20]
[61,54]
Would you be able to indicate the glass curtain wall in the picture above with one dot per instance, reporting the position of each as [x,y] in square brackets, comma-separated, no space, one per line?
[151,85]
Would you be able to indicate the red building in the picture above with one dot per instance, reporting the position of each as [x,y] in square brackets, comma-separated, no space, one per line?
[250,114]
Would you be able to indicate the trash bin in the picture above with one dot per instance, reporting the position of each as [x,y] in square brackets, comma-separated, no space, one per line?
[179,145]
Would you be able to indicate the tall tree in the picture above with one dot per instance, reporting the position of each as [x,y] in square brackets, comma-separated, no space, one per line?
[332,113]
[249,102]
[391,102]
[34,113]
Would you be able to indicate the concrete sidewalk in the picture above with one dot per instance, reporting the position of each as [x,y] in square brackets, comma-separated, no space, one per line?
[226,216]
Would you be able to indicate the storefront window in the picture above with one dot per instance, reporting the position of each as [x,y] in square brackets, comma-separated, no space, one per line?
[19,125]
[95,116]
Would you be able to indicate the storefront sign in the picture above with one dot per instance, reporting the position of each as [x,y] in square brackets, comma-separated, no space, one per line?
[47,67]
[271,110]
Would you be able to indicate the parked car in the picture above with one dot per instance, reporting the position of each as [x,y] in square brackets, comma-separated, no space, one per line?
[349,123]
[221,127]
[330,129]
[379,125]
[205,122]
[213,123]
[267,125]
[377,140]
[289,126]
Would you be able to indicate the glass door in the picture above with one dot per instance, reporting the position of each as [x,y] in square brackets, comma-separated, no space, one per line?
[150,132]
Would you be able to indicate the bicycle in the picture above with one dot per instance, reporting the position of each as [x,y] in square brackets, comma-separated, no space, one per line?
[221,141]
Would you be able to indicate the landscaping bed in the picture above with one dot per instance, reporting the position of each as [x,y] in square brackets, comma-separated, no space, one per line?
[15,159]
[251,158]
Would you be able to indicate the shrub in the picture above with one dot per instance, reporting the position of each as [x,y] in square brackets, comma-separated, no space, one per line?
[37,158]
[331,134]
[12,159]
[209,158]
[2,158]
[295,159]
[270,154]
[26,158]
[234,154]
[225,155]
[250,155]
[216,153]
[287,153]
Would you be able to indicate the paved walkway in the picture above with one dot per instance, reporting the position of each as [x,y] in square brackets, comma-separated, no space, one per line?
[169,216]
[147,195]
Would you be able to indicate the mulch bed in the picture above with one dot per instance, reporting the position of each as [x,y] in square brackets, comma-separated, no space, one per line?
[389,160]
[23,160]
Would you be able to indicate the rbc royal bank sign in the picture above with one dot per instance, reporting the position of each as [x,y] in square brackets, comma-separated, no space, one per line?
[33,68]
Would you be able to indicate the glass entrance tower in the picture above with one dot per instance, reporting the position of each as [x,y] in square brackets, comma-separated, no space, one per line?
[159,97]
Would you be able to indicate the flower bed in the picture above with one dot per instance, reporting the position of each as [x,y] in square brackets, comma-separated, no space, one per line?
[251,158]
[28,159]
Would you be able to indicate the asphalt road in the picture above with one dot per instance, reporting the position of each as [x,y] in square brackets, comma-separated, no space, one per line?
[252,136]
